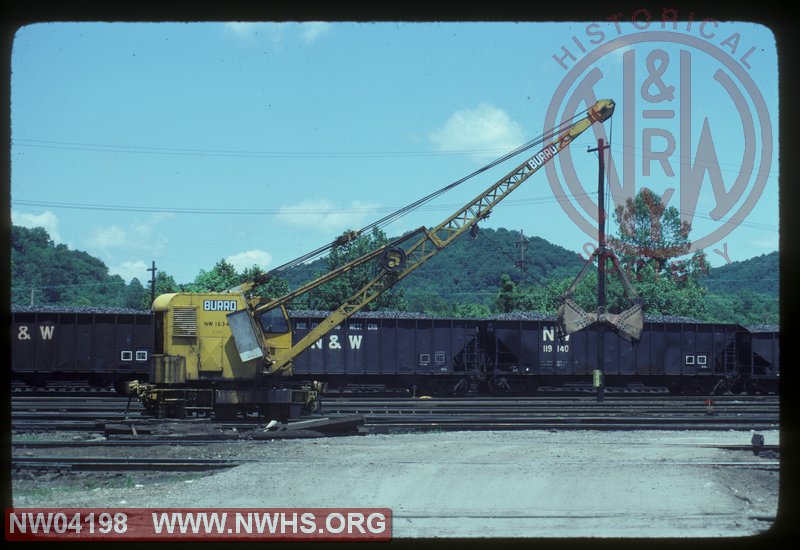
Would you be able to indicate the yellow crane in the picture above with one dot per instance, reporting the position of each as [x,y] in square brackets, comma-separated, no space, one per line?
[226,353]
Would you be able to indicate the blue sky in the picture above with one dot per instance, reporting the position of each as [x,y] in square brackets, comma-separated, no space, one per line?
[186,143]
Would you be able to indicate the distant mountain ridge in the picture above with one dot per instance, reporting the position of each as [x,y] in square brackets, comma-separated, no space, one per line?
[760,275]
[470,269]
[468,273]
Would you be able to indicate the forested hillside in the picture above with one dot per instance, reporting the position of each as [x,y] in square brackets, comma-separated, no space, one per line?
[760,275]
[492,272]
[470,270]
[746,291]
[45,273]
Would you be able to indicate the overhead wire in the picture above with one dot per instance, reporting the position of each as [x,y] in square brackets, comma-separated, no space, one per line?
[395,215]
[382,222]
[524,147]
[106,148]
[520,265]
[439,207]
[426,199]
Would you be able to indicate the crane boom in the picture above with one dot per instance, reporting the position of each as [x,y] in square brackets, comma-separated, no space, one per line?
[327,277]
[400,260]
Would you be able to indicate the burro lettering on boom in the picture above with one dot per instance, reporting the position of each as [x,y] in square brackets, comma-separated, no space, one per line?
[539,159]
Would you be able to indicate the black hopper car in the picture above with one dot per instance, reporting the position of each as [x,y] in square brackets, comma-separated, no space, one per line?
[524,354]
[99,347]
[423,355]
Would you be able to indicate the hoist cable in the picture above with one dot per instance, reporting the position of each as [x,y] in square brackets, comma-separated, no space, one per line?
[565,124]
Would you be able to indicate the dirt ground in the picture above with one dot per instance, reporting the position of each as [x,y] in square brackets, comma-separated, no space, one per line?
[519,484]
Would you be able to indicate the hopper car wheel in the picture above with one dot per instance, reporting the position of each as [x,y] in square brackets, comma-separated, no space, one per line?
[752,387]
[121,386]
[153,409]
[499,386]
[461,388]
[690,387]
[724,386]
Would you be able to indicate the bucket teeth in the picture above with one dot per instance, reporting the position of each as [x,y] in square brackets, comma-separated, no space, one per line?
[571,318]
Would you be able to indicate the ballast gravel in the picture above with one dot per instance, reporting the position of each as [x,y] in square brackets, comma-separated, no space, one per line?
[523,484]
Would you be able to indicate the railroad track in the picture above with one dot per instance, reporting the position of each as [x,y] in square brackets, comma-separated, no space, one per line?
[382,416]
[103,402]
[66,389]
[74,403]
[444,414]
[616,413]
[105,464]
[64,464]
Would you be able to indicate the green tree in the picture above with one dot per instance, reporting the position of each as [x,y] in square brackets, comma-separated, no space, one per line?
[462,310]
[219,278]
[135,294]
[650,241]
[652,234]
[745,307]
[649,231]
[660,295]
[670,295]
[469,311]
[273,288]
[165,284]
[332,294]
[507,297]
[429,302]
[513,297]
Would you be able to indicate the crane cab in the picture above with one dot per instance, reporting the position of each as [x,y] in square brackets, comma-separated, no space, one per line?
[197,367]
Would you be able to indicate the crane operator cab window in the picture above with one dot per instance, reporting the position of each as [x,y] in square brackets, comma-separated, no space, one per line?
[273,321]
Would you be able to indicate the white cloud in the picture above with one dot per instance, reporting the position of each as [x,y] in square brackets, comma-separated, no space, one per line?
[129,270]
[322,215]
[310,32]
[108,237]
[273,32]
[486,131]
[47,220]
[769,243]
[243,260]
[242,29]
[139,236]
[277,33]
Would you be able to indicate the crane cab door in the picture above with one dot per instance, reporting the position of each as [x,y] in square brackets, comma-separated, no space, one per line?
[264,336]
[245,335]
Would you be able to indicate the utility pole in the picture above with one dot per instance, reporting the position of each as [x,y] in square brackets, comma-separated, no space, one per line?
[152,271]
[522,244]
[602,256]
